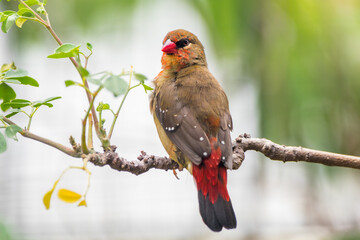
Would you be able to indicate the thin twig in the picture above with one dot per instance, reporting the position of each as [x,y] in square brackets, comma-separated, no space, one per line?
[83,132]
[121,104]
[62,148]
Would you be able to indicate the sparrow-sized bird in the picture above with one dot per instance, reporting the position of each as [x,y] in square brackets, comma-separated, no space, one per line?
[191,114]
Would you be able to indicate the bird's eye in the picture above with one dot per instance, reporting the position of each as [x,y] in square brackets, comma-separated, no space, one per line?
[182,43]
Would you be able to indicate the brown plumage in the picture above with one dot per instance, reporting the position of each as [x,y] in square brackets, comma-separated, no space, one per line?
[191,114]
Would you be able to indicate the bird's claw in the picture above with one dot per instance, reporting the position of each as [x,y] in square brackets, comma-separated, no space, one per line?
[175,174]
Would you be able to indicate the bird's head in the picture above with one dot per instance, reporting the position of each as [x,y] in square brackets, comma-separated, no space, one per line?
[182,49]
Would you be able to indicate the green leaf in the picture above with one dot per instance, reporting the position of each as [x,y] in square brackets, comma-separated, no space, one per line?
[116,85]
[89,46]
[39,103]
[51,99]
[29,3]
[147,88]
[13,112]
[68,195]
[21,76]
[8,12]
[2,17]
[41,10]
[102,106]
[45,102]
[18,103]
[11,131]
[6,94]
[27,81]
[9,22]
[2,143]
[25,12]
[140,77]
[15,73]
[106,106]
[66,50]
[70,83]
[13,81]
[98,78]
[83,71]
[95,81]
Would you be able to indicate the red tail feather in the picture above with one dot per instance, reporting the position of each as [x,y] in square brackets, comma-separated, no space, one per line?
[211,178]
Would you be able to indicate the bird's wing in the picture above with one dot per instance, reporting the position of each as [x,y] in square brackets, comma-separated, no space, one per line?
[183,129]
[224,138]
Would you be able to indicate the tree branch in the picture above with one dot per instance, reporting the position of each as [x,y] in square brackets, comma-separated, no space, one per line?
[143,164]
[295,154]
[25,133]
[69,151]
[242,144]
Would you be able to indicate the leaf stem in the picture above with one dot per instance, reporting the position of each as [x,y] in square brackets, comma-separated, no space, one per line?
[89,175]
[31,116]
[116,115]
[90,133]
[83,132]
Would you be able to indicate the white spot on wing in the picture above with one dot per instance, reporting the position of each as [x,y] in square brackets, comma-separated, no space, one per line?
[201,139]
[205,154]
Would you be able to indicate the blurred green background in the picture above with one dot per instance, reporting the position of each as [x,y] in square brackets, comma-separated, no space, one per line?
[302,56]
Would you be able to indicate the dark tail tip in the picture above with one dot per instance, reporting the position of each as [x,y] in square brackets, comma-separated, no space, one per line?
[218,215]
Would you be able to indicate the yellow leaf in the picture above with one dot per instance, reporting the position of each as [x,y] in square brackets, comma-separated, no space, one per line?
[6,67]
[68,196]
[47,196]
[82,203]
[20,21]
[46,199]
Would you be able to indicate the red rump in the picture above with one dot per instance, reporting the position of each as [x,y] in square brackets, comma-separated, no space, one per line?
[210,176]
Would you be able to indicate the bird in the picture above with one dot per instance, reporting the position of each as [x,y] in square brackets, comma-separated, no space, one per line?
[193,121]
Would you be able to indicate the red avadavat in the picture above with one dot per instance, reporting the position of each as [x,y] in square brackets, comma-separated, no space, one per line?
[191,113]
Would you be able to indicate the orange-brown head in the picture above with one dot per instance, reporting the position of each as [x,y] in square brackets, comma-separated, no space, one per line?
[182,49]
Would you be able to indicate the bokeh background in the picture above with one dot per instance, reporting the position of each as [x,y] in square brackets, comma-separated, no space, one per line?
[291,71]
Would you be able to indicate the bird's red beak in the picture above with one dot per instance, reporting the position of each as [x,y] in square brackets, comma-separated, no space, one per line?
[169,47]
